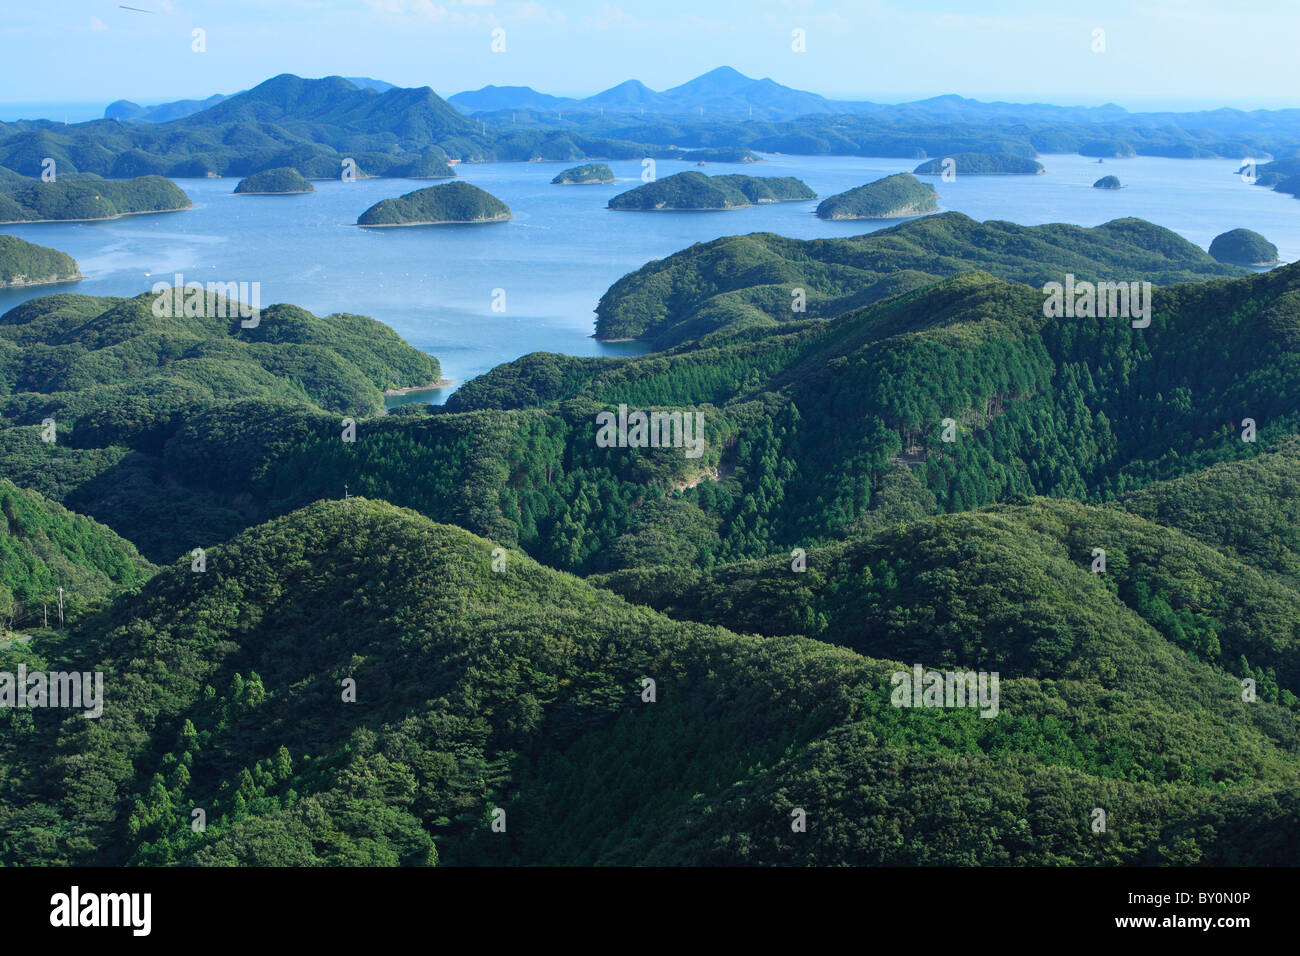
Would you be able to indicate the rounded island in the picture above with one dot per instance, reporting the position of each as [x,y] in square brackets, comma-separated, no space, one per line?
[275,182]
[1243,247]
[590,174]
[894,197]
[435,205]
[1107,182]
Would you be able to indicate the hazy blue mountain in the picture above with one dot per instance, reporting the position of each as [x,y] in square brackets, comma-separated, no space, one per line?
[415,114]
[728,91]
[370,83]
[128,112]
[630,94]
[506,98]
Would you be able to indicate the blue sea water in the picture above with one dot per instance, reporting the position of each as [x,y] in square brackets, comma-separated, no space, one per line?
[437,285]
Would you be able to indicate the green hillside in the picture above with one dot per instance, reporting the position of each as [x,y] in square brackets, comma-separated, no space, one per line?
[1243,247]
[923,480]
[892,197]
[452,202]
[691,190]
[1010,588]
[87,197]
[523,690]
[748,280]
[807,430]
[115,368]
[285,179]
[585,174]
[1250,508]
[120,383]
[25,263]
[44,547]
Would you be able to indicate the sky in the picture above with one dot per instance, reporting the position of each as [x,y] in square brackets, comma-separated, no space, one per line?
[1151,54]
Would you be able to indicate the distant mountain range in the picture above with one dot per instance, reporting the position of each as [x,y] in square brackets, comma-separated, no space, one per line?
[129,112]
[721,92]
[725,92]
[315,125]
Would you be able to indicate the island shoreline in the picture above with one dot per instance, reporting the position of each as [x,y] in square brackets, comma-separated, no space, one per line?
[397,392]
[21,285]
[120,215]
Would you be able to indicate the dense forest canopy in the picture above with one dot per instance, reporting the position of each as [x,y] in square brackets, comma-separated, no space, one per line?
[284,179]
[1243,247]
[353,637]
[693,190]
[453,202]
[87,197]
[587,173]
[740,281]
[26,263]
[892,197]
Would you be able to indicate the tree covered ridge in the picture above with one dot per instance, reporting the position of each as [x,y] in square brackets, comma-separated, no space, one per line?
[520,686]
[739,281]
[109,369]
[24,263]
[43,547]
[805,427]
[87,197]
[522,689]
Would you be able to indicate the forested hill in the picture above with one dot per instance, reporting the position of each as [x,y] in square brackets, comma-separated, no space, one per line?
[928,479]
[809,427]
[26,263]
[603,732]
[115,367]
[749,280]
[24,199]
[1018,592]
[43,547]
[311,125]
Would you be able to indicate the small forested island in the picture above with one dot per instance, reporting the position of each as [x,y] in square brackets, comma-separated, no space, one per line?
[449,203]
[893,197]
[82,196]
[1107,182]
[25,263]
[278,181]
[692,190]
[722,154]
[1243,247]
[591,173]
[981,164]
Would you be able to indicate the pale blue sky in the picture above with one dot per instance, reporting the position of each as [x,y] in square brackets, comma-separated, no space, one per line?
[1158,52]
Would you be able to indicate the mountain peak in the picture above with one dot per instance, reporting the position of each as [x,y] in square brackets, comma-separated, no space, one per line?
[724,79]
